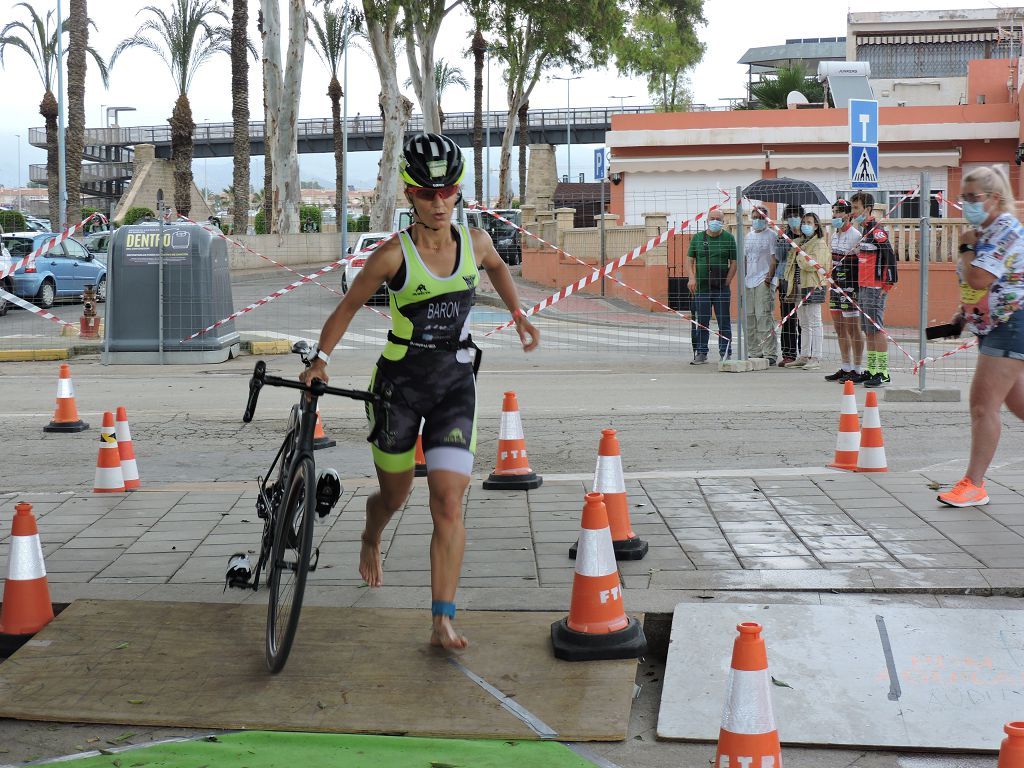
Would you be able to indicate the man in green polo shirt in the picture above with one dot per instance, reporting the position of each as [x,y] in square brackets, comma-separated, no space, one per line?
[712,258]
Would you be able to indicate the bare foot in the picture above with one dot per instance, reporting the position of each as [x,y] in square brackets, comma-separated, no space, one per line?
[445,636]
[369,562]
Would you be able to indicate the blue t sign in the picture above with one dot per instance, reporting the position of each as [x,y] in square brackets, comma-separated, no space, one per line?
[863,122]
[599,164]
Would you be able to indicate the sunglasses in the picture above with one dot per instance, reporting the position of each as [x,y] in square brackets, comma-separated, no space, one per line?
[429,195]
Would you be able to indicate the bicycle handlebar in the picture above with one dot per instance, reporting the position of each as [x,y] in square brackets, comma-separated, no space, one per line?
[315,387]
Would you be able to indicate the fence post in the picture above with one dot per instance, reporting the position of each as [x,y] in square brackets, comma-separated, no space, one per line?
[604,254]
[924,259]
[740,348]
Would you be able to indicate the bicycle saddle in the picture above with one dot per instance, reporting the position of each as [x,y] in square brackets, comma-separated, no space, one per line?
[301,347]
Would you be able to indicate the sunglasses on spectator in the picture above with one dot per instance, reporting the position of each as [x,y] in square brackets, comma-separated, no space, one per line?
[427,194]
[975,197]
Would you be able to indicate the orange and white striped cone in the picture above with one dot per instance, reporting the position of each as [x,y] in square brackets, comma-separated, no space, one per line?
[26,607]
[608,480]
[109,478]
[848,439]
[125,449]
[597,626]
[512,471]
[872,447]
[1011,752]
[421,460]
[65,418]
[748,736]
[320,438]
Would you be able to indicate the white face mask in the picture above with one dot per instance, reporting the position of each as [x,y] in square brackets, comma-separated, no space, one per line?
[760,225]
[807,229]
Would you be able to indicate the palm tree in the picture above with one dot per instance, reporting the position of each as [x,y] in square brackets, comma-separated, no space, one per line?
[185,39]
[332,36]
[240,113]
[78,28]
[444,76]
[771,93]
[479,49]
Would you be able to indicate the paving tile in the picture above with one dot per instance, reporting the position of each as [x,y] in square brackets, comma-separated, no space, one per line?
[953,515]
[762,537]
[987,551]
[840,542]
[696,534]
[158,564]
[748,517]
[705,560]
[985,538]
[851,555]
[1005,578]
[705,545]
[785,563]
[122,541]
[928,578]
[922,533]
[804,579]
[921,547]
[826,529]
[944,560]
[865,565]
[551,576]
[754,526]
[165,545]
[107,554]
[770,550]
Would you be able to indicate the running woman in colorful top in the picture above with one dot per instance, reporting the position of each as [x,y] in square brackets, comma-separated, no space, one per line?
[876,276]
[427,368]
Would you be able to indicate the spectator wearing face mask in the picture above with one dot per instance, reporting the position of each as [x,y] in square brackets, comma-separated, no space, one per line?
[876,276]
[845,317]
[759,253]
[807,270]
[712,257]
[790,335]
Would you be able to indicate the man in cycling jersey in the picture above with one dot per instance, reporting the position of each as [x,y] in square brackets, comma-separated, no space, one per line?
[427,368]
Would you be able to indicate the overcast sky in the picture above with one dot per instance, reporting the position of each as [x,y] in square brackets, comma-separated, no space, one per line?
[142,81]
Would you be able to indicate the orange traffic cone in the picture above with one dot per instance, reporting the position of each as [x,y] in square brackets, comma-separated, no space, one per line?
[65,419]
[320,438]
[848,439]
[1011,753]
[26,608]
[421,460]
[872,448]
[108,461]
[125,449]
[748,735]
[512,471]
[597,626]
[608,480]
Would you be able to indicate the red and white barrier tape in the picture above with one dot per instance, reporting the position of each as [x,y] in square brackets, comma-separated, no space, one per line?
[613,266]
[48,245]
[247,249]
[33,308]
[287,289]
[628,287]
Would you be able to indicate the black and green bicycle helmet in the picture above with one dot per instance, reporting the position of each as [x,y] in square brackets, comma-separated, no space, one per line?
[431,160]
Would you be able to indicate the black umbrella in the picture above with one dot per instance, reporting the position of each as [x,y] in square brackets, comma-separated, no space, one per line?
[785,191]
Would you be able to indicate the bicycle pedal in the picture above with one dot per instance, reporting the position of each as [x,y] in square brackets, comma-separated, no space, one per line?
[239,574]
[328,491]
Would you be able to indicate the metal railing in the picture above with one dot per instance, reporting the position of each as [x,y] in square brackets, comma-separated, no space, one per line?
[91,172]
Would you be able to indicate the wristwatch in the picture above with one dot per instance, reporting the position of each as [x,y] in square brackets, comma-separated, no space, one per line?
[317,352]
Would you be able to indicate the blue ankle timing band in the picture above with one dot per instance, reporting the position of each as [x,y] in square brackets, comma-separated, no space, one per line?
[442,608]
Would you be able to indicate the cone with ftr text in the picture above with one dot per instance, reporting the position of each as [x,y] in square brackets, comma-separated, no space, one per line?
[608,480]
[320,438]
[872,447]
[1011,753]
[748,736]
[597,626]
[109,478]
[512,471]
[125,449]
[26,607]
[65,418]
[848,439]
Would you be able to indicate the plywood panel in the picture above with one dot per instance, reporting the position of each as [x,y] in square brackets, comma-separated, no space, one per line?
[953,677]
[351,671]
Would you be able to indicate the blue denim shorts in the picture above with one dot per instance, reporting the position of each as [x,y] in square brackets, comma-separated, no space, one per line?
[1006,339]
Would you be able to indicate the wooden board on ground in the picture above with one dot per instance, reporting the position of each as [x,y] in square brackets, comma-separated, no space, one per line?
[351,670]
[870,676]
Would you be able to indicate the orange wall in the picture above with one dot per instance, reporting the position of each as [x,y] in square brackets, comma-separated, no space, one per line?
[988,78]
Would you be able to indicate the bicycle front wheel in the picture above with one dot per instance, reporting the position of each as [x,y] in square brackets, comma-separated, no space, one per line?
[289,563]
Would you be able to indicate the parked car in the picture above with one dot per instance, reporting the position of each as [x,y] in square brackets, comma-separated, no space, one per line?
[98,243]
[8,282]
[358,261]
[63,272]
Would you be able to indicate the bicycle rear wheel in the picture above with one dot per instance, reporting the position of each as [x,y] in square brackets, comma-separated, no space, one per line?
[289,563]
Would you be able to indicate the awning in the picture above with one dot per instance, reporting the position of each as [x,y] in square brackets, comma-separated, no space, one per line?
[886,160]
[912,39]
[687,164]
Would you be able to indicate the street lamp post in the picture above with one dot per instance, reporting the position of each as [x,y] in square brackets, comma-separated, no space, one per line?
[343,224]
[18,137]
[568,124]
[621,99]
[487,133]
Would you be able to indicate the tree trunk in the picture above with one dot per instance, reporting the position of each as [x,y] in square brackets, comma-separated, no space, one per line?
[420,39]
[283,83]
[48,109]
[240,116]
[182,128]
[505,175]
[335,93]
[524,139]
[78,23]
[479,49]
[395,111]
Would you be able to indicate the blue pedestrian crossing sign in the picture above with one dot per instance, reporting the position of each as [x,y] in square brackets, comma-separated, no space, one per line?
[864,167]
[599,164]
[863,122]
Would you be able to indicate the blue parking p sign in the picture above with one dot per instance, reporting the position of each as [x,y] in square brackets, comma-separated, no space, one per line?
[599,164]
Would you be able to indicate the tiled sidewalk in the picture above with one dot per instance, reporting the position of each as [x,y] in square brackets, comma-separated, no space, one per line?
[824,532]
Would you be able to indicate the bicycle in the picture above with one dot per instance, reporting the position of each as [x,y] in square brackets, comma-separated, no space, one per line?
[286,549]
